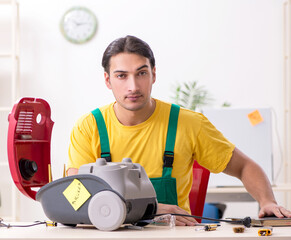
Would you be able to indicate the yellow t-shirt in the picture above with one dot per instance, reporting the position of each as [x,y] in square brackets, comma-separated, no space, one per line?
[144,143]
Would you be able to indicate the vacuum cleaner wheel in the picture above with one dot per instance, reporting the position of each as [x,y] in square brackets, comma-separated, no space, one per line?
[106,211]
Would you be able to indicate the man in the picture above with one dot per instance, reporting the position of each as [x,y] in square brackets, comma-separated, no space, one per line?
[137,127]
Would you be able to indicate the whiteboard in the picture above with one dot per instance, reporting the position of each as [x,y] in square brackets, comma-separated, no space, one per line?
[255,141]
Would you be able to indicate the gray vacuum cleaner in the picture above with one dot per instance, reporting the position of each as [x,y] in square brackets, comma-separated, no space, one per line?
[109,195]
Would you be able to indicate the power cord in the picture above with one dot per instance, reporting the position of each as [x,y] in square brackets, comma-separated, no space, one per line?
[275,177]
[245,221]
[47,223]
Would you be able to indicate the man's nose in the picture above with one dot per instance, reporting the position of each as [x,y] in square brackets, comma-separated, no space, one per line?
[132,84]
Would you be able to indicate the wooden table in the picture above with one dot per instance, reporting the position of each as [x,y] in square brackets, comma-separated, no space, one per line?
[149,232]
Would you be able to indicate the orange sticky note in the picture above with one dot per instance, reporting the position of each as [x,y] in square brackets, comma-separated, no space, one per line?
[255,117]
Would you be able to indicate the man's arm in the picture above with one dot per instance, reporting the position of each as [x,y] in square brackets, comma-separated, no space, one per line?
[256,183]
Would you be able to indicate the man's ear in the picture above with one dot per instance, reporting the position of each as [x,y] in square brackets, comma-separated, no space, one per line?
[154,74]
[107,80]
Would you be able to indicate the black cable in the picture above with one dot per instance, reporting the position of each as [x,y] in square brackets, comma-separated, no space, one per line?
[245,221]
[29,225]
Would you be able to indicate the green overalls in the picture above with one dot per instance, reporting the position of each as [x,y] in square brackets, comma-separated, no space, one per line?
[165,186]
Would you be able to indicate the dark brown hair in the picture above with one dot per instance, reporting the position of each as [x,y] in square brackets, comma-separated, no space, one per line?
[128,44]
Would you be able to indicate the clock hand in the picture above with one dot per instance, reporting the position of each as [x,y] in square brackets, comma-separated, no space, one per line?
[81,23]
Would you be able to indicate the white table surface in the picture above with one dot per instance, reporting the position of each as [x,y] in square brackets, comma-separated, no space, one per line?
[149,232]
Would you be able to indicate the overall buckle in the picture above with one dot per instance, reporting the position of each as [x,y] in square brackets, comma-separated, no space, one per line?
[107,156]
[168,159]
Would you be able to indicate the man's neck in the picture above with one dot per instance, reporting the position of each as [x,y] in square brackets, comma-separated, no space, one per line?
[131,118]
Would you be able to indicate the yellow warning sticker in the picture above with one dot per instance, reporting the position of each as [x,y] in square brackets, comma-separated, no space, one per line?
[76,194]
[255,117]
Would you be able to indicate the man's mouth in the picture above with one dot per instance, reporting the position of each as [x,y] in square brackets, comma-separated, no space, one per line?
[133,97]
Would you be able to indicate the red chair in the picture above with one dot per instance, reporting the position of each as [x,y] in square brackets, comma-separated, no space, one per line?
[198,191]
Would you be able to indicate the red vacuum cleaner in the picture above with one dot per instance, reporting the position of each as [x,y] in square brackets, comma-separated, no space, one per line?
[29,141]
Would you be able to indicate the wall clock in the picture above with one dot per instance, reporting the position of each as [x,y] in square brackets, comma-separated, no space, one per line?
[78,25]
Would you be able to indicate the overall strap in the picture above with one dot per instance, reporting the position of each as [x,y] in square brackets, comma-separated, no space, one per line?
[171,138]
[104,140]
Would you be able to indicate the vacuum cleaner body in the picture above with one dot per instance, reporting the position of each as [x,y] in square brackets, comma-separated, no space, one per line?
[117,193]
[28,144]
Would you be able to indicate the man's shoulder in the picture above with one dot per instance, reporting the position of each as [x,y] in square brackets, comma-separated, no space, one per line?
[88,118]
[84,120]
[184,113]
[190,113]
[104,109]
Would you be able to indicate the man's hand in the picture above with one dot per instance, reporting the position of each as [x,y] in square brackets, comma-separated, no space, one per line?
[271,209]
[72,171]
[180,221]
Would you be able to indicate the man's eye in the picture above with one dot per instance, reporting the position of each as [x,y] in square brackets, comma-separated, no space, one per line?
[142,73]
[121,76]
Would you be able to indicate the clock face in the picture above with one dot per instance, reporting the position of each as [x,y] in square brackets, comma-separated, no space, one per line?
[78,25]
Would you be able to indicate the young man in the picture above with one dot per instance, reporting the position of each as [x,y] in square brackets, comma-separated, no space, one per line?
[137,127]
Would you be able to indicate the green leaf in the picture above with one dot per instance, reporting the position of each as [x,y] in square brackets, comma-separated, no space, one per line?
[190,95]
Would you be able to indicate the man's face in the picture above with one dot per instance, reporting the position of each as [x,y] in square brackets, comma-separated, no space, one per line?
[131,78]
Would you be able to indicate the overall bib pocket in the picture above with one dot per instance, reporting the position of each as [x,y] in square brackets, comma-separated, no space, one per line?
[165,187]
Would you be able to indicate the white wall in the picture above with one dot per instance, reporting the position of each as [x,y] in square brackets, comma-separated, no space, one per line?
[233,47]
